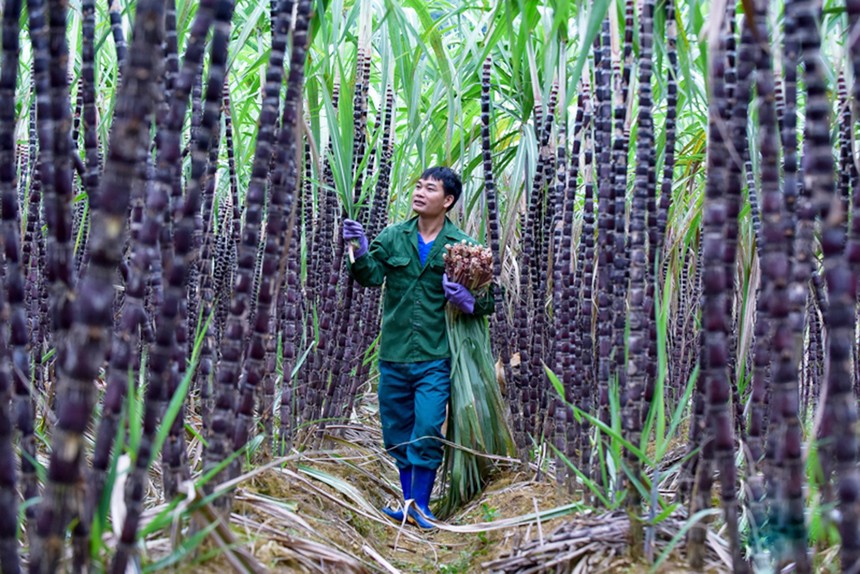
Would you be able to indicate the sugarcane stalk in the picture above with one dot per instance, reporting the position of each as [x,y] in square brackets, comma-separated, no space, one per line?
[565,313]
[840,403]
[637,363]
[585,374]
[9,558]
[281,219]
[775,260]
[92,310]
[606,228]
[377,221]
[160,352]
[225,388]
[718,440]
[14,355]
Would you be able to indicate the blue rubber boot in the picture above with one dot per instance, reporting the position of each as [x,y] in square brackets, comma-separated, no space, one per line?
[406,485]
[422,486]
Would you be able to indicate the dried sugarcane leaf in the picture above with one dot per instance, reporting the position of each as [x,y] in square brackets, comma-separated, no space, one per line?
[117,495]
[379,558]
[240,559]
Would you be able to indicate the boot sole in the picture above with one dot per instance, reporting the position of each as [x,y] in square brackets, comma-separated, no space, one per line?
[411,520]
[393,518]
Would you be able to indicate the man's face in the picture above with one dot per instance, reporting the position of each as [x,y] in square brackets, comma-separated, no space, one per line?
[429,198]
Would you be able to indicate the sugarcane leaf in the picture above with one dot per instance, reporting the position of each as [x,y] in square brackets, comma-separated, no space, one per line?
[635,478]
[371,354]
[340,485]
[477,417]
[178,399]
[340,147]
[692,521]
[189,428]
[663,300]
[556,383]
[590,484]
[560,19]
[166,516]
[116,500]
[677,416]
[49,355]
[134,403]
[301,361]
[431,31]
[160,521]
[665,513]
[41,469]
[596,15]
[249,26]
[186,550]
[616,435]
[101,515]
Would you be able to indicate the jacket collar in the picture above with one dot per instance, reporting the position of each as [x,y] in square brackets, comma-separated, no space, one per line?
[449,231]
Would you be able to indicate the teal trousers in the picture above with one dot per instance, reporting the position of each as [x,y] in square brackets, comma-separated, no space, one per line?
[412,401]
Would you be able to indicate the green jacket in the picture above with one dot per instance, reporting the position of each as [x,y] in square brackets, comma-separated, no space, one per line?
[413,306]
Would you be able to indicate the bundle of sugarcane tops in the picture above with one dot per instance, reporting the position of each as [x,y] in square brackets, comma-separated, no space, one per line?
[477,419]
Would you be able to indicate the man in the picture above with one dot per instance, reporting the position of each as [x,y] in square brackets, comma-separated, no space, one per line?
[414,359]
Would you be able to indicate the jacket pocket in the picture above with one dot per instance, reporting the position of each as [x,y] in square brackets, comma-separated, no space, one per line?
[397,277]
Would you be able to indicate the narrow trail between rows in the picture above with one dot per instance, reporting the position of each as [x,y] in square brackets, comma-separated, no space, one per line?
[318,512]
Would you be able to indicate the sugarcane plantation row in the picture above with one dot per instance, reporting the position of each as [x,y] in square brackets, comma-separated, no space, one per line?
[431,285]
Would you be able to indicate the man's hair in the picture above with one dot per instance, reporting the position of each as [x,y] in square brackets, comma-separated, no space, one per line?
[451,183]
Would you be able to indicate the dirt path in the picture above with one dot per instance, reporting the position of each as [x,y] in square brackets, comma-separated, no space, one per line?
[319,513]
[338,498]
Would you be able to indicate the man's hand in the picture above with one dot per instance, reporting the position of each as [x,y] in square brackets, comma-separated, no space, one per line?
[353,231]
[458,295]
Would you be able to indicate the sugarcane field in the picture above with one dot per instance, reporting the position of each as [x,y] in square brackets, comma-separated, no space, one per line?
[383,286]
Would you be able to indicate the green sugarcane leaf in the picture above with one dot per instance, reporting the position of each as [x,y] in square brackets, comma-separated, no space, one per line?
[178,399]
[160,521]
[556,383]
[100,518]
[477,415]
[185,550]
[616,435]
[677,416]
[301,361]
[596,15]
[248,27]
[695,519]
[665,513]
[590,484]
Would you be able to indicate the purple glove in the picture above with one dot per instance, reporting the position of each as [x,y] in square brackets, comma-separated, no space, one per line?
[353,231]
[458,295]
